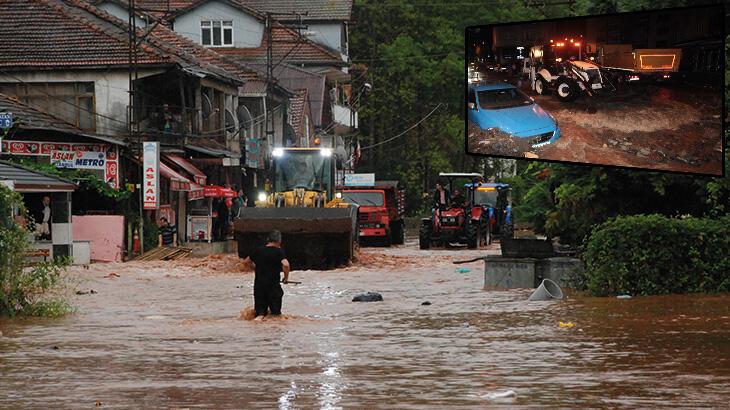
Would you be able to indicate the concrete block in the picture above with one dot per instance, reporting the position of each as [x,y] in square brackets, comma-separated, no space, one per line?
[560,270]
[509,273]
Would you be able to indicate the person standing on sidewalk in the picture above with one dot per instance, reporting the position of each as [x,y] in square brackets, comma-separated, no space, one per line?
[269,261]
[168,234]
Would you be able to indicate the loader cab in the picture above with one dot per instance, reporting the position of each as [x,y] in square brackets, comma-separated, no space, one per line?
[311,169]
[557,51]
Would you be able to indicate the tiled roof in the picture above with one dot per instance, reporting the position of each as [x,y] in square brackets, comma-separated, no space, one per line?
[289,47]
[73,33]
[315,9]
[182,50]
[164,10]
[298,102]
[28,118]
[47,33]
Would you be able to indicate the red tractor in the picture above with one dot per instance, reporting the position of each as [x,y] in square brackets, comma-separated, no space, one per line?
[462,221]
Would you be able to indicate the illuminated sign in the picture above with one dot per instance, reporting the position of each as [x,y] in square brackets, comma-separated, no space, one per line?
[151,173]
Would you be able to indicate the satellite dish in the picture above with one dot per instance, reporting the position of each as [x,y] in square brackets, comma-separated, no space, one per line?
[245,120]
[230,121]
[207,106]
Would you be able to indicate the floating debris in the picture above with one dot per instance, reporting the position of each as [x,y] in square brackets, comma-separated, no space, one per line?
[507,394]
[368,297]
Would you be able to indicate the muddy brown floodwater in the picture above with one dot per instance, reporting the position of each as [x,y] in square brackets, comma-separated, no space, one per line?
[170,337]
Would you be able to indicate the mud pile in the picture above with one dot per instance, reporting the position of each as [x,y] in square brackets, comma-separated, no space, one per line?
[215,264]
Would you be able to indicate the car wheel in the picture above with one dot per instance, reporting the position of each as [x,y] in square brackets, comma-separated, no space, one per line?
[566,89]
[541,86]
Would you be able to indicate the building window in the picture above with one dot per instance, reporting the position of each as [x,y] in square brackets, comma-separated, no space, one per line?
[73,102]
[216,33]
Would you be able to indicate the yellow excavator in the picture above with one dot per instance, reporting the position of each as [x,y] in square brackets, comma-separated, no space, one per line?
[318,230]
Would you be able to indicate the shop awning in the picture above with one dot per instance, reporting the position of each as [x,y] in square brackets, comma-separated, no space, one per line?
[196,192]
[198,176]
[26,180]
[177,181]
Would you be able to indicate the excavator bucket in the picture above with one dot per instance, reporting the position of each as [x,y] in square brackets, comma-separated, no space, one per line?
[312,238]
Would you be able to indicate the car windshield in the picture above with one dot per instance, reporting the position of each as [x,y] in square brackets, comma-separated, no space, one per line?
[504,98]
[364,198]
[487,198]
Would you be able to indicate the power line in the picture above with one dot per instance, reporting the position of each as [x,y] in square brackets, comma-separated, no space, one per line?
[363,60]
[404,132]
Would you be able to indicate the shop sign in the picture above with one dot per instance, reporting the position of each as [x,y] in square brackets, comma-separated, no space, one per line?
[79,159]
[252,153]
[359,179]
[151,172]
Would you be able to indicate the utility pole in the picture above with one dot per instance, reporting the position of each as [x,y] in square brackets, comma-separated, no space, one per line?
[132,127]
[270,64]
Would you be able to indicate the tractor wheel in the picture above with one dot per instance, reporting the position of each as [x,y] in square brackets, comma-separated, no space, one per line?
[473,236]
[397,234]
[424,237]
[566,89]
[541,86]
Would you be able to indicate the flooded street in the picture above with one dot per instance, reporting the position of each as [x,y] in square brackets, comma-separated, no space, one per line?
[155,336]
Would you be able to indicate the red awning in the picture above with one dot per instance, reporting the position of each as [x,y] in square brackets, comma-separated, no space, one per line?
[198,176]
[196,192]
[218,191]
[177,181]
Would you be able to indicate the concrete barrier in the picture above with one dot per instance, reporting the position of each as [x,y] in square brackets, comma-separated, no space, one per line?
[528,273]
[509,273]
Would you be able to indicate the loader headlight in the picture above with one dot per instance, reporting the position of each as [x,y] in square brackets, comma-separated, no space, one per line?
[262,197]
[338,195]
[277,152]
[326,152]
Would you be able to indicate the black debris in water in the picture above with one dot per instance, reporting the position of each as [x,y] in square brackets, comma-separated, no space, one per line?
[426,303]
[368,297]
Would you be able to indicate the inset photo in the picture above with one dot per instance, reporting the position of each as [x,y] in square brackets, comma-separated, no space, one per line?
[639,90]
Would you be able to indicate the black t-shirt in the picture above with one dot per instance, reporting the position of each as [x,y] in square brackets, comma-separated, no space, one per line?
[268,264]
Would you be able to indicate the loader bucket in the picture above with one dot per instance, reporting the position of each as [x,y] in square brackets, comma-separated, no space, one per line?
[312,238]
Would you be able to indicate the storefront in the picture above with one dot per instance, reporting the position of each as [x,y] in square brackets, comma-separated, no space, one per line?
[48,201]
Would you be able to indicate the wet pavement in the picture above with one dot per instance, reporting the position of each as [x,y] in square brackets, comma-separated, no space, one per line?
[158,335]
[671,127]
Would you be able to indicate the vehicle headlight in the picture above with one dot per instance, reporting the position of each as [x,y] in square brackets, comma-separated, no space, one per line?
[277,152]
[326,152]
[338,195]
[262,197]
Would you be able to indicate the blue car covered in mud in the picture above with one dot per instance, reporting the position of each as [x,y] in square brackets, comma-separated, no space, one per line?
[502,107]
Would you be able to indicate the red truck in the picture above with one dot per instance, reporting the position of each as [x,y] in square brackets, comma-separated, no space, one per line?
[380,213]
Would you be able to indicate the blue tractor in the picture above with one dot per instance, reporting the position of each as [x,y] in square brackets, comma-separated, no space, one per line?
[495,199]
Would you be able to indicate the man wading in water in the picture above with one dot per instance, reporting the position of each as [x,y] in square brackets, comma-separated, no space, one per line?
[269,261]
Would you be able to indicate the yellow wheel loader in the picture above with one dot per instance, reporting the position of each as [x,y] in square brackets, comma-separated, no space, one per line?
[318,230]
